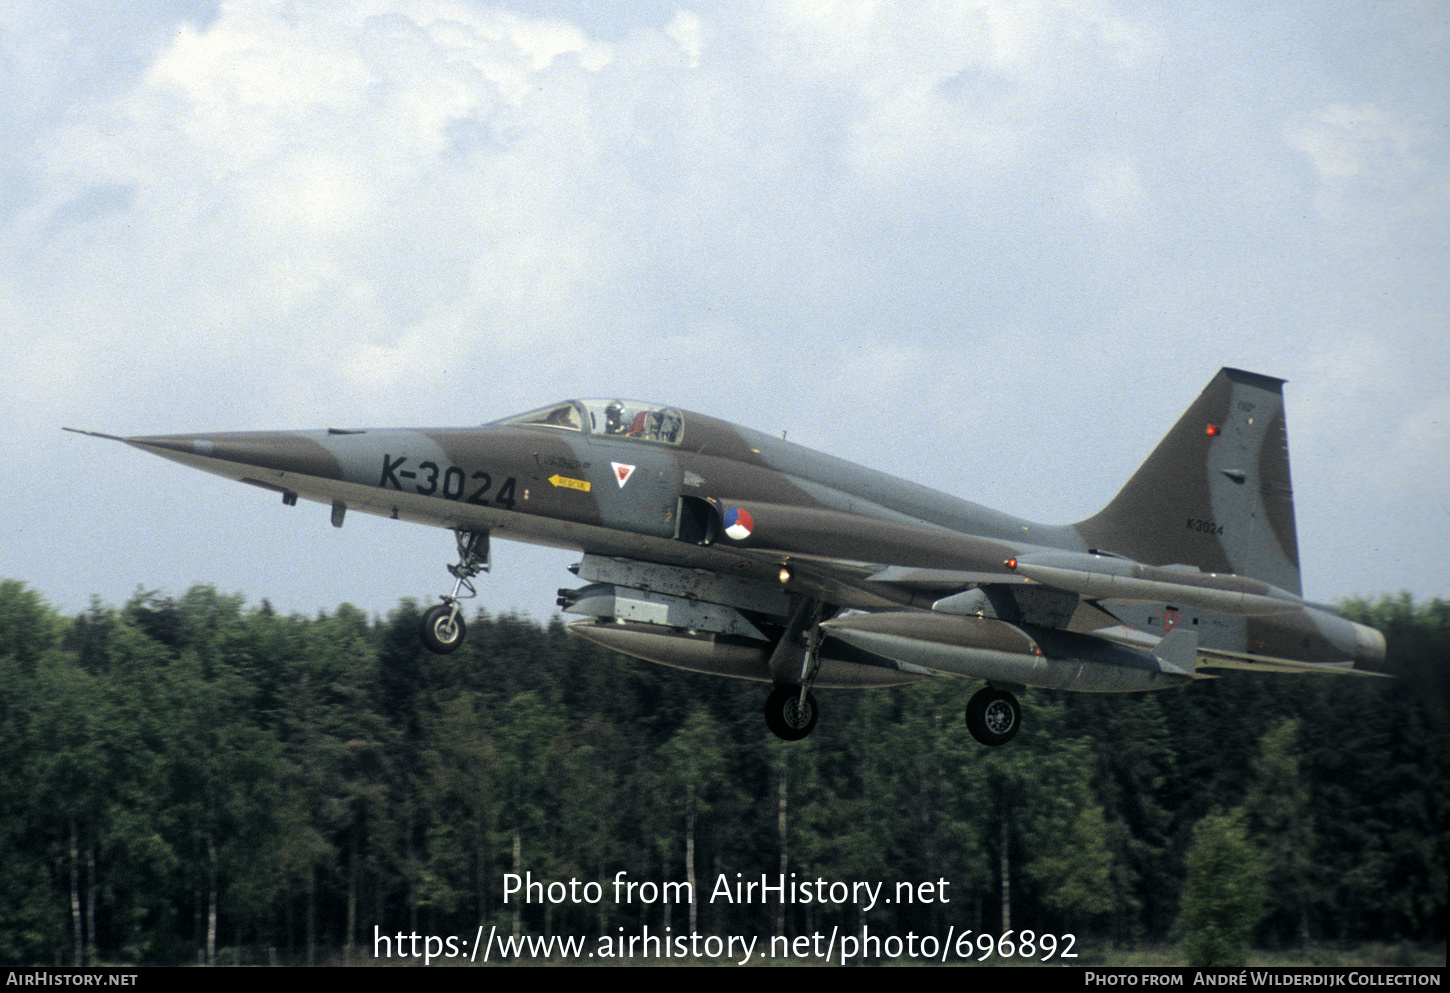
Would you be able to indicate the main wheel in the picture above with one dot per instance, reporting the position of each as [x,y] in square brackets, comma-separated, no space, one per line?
[785,716]
[441,631]
[993,716]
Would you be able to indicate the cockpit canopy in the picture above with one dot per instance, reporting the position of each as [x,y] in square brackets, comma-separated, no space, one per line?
[611,418]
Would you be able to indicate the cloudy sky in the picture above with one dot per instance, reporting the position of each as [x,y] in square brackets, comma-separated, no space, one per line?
[992,246]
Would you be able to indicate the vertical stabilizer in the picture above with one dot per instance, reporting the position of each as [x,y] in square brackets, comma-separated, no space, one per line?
[1215,493]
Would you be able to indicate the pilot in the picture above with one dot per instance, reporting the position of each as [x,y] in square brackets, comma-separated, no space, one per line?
[614,417]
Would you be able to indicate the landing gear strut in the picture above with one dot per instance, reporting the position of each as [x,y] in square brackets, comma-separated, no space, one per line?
[790,710]
[993,716]
[442,629]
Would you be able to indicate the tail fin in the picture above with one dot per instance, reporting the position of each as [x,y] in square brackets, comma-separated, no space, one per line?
[1215,493]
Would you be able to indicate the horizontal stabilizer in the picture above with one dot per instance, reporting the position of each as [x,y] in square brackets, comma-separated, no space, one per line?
[1212,658]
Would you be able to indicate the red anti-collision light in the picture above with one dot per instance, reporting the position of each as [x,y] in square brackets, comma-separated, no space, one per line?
[1011,564]
[1211,430]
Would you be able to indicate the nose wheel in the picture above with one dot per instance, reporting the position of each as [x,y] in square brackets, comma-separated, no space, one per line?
[442,629]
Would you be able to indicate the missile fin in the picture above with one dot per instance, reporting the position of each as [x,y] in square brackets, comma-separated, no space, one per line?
[1178,651]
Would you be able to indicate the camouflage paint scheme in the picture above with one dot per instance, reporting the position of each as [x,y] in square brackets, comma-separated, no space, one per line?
[713,547]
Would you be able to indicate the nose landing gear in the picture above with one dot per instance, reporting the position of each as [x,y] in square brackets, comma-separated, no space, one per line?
[443,629]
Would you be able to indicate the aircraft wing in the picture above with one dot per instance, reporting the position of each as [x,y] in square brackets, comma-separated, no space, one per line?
[1083,594]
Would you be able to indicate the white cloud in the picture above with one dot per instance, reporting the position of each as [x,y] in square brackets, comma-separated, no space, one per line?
[1420,452]
[335,178]
[1375,167]
[688,31]
[944,89]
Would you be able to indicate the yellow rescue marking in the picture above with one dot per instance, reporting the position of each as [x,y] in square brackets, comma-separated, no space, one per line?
[581,485]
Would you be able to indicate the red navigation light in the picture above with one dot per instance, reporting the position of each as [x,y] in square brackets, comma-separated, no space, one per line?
[1011,564]
[1211,431]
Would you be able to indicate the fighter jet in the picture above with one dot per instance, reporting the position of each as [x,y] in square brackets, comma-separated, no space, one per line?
[719,549]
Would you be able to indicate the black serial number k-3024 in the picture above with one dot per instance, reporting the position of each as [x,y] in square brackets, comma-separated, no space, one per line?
[450,482]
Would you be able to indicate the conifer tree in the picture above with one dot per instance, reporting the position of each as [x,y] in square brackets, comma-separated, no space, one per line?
[1223,899]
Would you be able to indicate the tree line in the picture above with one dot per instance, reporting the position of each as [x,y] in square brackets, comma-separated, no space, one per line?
[193,779]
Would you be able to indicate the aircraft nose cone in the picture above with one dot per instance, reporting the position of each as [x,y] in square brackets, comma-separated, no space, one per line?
[279,451]
[181,443]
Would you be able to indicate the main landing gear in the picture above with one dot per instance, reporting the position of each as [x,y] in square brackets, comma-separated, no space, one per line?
[787,715]
[993,716]
[442,629]
[790,710]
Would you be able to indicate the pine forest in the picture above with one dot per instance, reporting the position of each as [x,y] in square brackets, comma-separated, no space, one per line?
[197,778]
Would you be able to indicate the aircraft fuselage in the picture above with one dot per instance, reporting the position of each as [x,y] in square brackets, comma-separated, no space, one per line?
[714,547]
